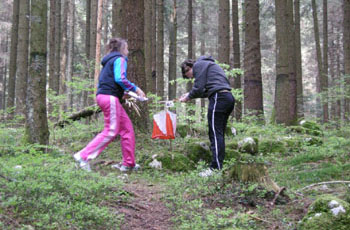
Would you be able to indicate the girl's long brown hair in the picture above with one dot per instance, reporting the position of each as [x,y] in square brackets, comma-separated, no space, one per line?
[116,45]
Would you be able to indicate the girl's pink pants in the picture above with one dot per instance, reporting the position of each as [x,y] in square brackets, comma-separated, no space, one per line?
[117,122]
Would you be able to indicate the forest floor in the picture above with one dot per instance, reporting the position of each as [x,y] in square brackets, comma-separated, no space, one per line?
[146,210]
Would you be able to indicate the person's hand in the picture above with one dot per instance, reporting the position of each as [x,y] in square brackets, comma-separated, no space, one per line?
[125,96]
[184,98]
[140,92]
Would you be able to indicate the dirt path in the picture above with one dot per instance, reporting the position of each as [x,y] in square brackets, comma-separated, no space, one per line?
[145,210]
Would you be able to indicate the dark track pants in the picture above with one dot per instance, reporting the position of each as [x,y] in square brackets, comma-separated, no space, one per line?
[221,105]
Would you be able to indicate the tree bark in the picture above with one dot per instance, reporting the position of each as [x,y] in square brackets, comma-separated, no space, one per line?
[93,42]
[160,49]
[136,65]
[282,88]
[318,58]
[172,53]
[298,61]
[293,114]
[346,44]
[13,57]
[253,91]
[324,85]
[224,32]
[52,43]
[153,88]
[63,55]
[36,119]
[98,43]
[118,18]
[22,57]
[236,81]
[148,46]
[87,49]
[70,52]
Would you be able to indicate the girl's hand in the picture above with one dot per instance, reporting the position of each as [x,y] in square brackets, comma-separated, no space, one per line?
[140,92]
[184,98]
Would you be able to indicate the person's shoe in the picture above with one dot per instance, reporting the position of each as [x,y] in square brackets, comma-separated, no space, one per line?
[124,168]
[206,173]
[85,165]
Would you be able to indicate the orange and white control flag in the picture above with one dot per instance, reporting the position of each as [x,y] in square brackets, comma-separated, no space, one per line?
[164,125]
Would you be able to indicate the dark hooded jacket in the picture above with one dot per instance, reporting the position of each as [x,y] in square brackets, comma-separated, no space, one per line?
[209,78]
[106,83]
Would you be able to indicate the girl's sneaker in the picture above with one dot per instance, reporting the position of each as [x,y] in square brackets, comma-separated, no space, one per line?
[82,163]
[124,168]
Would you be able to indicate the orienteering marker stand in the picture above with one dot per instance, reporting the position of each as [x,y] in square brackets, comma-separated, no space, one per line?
[164,123]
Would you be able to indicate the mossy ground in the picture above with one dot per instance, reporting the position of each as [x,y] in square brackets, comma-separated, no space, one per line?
[194,202]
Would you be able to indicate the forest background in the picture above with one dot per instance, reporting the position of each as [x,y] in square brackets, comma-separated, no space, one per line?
[286,60]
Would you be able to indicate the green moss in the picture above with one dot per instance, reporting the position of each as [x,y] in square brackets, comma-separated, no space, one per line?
[183,130]
[197,151]
[249,145]
[272,146]
[320,216]
[176,162]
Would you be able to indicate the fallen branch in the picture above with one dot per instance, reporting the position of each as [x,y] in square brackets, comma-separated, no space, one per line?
[86,112]
[276,196]
[323,183]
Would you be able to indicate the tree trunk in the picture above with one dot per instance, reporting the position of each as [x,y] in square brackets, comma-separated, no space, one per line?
[204,30]
[118,18]
[160,49]
[298,61]
[63,55]
[36,119]
[319,59]
[70,52]
[293,114]
[98,43]
[52,43]
[236,81]
[346,43]
[57,62]
[282,88]
[253,92]
[224,32]
[136,64]
[22,57]
[148,46]
[93,42]
[87,49]
[13,57]
[153,88]
[172,53]
[324,85]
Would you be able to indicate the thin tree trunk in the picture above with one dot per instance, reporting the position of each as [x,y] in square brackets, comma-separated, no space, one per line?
[148,45]
[57,62]
[346,43]
[87,49]
[204,31]
[22,57]
[70,53]
[63,54]
[160,48]
[253,91]
[298,61]
[236,81]
[93,43]
[52,43]
[224,32]
[36,119]
[172,53]
[324,86]
[319,58]
[153,89]
[293,114]
[13,57]
[98,43]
